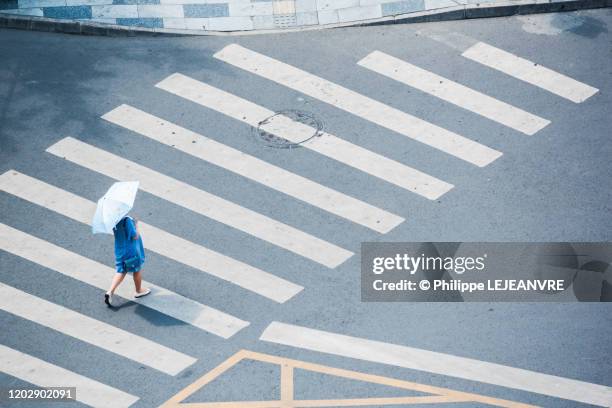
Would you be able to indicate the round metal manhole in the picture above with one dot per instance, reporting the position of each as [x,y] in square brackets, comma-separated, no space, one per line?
[278,119]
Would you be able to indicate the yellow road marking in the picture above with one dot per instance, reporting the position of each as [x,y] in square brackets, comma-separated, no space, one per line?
[287,400]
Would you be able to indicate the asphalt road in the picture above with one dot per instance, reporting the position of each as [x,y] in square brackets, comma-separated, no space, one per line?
[554,185]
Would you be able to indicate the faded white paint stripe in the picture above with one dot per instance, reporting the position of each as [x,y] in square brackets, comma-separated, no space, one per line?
[359,105]
[158,240]
[329,145]
[253,168]
[530,72]
[453,92]
[43,374]
[201,202]
[92,331]
[94,273]
[438,363]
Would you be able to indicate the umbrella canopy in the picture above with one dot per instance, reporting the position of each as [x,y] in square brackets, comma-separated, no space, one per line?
[113,206]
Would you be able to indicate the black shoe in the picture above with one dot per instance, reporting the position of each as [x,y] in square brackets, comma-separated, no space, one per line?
[108,299]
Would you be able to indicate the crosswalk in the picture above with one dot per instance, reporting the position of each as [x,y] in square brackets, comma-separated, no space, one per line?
[158,240]
[313,248]
[327,144]
[253,168]
[93,331]
[530,72]
[96,274]
[453,92]
[44,374]
[201,202]
[359,105]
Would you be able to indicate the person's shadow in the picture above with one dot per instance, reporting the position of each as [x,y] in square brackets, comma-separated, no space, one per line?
[153,316]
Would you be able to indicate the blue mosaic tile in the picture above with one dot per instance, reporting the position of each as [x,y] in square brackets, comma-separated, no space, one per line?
[124,2]
[206,10]
[401,7]
[142,22]
[8,4]
[69,12]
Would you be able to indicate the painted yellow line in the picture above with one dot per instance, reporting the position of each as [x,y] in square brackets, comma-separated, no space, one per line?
[288,366]
[438,363]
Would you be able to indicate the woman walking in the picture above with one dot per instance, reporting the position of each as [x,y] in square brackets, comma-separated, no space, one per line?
[129,257]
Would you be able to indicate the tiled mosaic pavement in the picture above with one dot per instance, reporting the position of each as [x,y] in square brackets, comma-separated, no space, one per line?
[229,15]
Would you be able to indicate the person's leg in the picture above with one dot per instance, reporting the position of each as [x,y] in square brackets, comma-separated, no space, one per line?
[140,291]
[138,281]
[117,279]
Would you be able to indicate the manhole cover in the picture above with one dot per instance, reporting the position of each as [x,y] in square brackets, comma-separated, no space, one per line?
[279,119]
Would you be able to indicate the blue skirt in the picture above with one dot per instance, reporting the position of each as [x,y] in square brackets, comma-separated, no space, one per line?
[121,267]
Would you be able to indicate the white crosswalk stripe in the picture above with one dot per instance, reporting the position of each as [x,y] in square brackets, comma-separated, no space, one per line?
[253,168]
[438,363]
[453,92]
[359,105]
[92,331]
[43,374]
[530,72]
[158,240]
[327,144]
[202,202]
[94,273]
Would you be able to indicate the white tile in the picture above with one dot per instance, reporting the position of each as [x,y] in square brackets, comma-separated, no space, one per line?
[246,8]
[102,20]
[359,13]
[40,3]
[199,23]
[263,22]
[25,12]
[122,11]
[374,2]
[327,17]
[323,5]
[302,6]
[436,4]
[309,18]
[88,2]
[188,1]
[284,7]
[157,11]
[176,23]
[230,23]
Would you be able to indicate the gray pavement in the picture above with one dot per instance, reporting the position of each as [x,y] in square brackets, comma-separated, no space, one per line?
[551,186]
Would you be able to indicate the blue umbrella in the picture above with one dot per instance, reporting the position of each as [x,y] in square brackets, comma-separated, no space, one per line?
[113,206]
